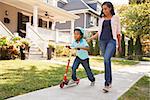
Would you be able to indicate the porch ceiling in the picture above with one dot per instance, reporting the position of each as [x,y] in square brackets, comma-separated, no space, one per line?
[55,13]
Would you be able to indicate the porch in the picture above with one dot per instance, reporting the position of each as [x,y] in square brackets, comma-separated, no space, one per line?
[37,20]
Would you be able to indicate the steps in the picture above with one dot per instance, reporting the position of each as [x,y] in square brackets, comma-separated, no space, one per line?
[35,53]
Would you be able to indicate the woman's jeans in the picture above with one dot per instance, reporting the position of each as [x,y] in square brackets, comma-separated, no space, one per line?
[85,64]
[108,49]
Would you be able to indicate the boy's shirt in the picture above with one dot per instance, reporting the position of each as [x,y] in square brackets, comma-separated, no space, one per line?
[82,54]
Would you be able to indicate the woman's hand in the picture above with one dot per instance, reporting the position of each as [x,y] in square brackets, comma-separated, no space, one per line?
[88,40]
[92,37]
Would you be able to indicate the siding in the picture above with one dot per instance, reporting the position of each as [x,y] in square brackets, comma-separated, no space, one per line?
[78,23]
[12,15]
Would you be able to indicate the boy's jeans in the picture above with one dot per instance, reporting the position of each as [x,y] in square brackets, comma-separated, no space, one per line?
[85,64]
[108,49]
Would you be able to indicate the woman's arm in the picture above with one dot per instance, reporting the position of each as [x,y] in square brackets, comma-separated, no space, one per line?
[92,37]
[84,48]
[119,35]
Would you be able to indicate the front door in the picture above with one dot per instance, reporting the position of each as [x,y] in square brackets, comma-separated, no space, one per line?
[22,20]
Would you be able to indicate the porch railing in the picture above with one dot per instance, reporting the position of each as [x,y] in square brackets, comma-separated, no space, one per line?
[36,38]
[41,36]
[5,31]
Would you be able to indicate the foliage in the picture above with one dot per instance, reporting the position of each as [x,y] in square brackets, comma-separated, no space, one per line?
[135,22]
[135,19]
[138,1]
[96,48]
[3,41]
[9,48]
[122,54]
[91,49]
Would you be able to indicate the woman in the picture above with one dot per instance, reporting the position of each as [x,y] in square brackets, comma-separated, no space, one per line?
[109,36]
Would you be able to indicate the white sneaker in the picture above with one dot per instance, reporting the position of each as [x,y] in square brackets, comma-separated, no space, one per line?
[92,83]
[107,88]
[71,82]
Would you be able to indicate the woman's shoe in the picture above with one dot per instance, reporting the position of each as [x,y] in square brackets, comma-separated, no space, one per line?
[92,83]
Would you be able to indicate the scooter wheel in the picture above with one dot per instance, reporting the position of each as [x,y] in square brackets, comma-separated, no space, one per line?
[78,80]
[62,85]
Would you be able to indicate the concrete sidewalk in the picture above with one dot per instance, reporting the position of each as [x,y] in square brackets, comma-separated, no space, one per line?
[121,82]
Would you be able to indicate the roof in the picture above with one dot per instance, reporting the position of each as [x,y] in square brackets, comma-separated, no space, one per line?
[78,5]
[75,5]
[57,14]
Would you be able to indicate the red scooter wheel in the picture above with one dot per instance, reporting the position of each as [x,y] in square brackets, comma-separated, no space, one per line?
[78,80]
[62,85]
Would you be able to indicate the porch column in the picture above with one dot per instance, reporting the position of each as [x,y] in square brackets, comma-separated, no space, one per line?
[48,24]
[54,2]
[53,25]
[72,30]
[35,16]
[57,36]
[84,21]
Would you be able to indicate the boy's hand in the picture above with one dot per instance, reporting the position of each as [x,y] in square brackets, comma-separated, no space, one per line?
[68,47]
[78,48]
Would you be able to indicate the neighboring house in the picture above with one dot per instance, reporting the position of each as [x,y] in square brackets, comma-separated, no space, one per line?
[88,10]
[35,20]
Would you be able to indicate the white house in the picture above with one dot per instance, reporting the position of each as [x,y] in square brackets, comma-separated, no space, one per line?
[35,20]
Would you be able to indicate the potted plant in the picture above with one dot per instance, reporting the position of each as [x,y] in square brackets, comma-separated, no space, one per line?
[50,49]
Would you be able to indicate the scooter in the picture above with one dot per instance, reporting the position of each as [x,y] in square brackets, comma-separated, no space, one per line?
[65,79]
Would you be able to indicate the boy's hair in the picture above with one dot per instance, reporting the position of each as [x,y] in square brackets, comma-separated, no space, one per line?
[80,30]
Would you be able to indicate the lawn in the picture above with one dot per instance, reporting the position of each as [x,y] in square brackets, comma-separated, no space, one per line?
[19,77]
[97,61]
[140,91]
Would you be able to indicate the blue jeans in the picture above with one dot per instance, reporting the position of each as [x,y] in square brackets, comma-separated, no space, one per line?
[85,64]
[108,50]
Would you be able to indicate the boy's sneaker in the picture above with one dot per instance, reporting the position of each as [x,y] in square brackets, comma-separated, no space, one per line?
[92,83]
[74,82]
[71,82]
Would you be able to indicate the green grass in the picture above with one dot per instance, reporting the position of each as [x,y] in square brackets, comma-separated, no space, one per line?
[97,61]
[19,77]
[146,59]
[117,61]
[140,91]
[100,60]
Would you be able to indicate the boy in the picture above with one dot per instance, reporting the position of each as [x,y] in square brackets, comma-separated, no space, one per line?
[81,56]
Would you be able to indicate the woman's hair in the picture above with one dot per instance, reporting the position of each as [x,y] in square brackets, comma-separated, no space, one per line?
[81,33]
[110,5]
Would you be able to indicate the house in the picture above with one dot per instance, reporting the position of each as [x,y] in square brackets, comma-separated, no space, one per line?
[88,10]
[35,20]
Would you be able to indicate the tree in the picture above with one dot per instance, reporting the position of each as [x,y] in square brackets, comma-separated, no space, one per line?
[138,48]
[122,46]
[135,20]
[130,49]
[138,1]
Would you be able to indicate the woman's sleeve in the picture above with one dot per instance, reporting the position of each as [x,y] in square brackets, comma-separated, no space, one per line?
[118,26]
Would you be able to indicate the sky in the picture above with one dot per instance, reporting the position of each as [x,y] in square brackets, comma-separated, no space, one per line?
[117,2]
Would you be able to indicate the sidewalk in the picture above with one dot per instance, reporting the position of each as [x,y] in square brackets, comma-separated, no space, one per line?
[123,79]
